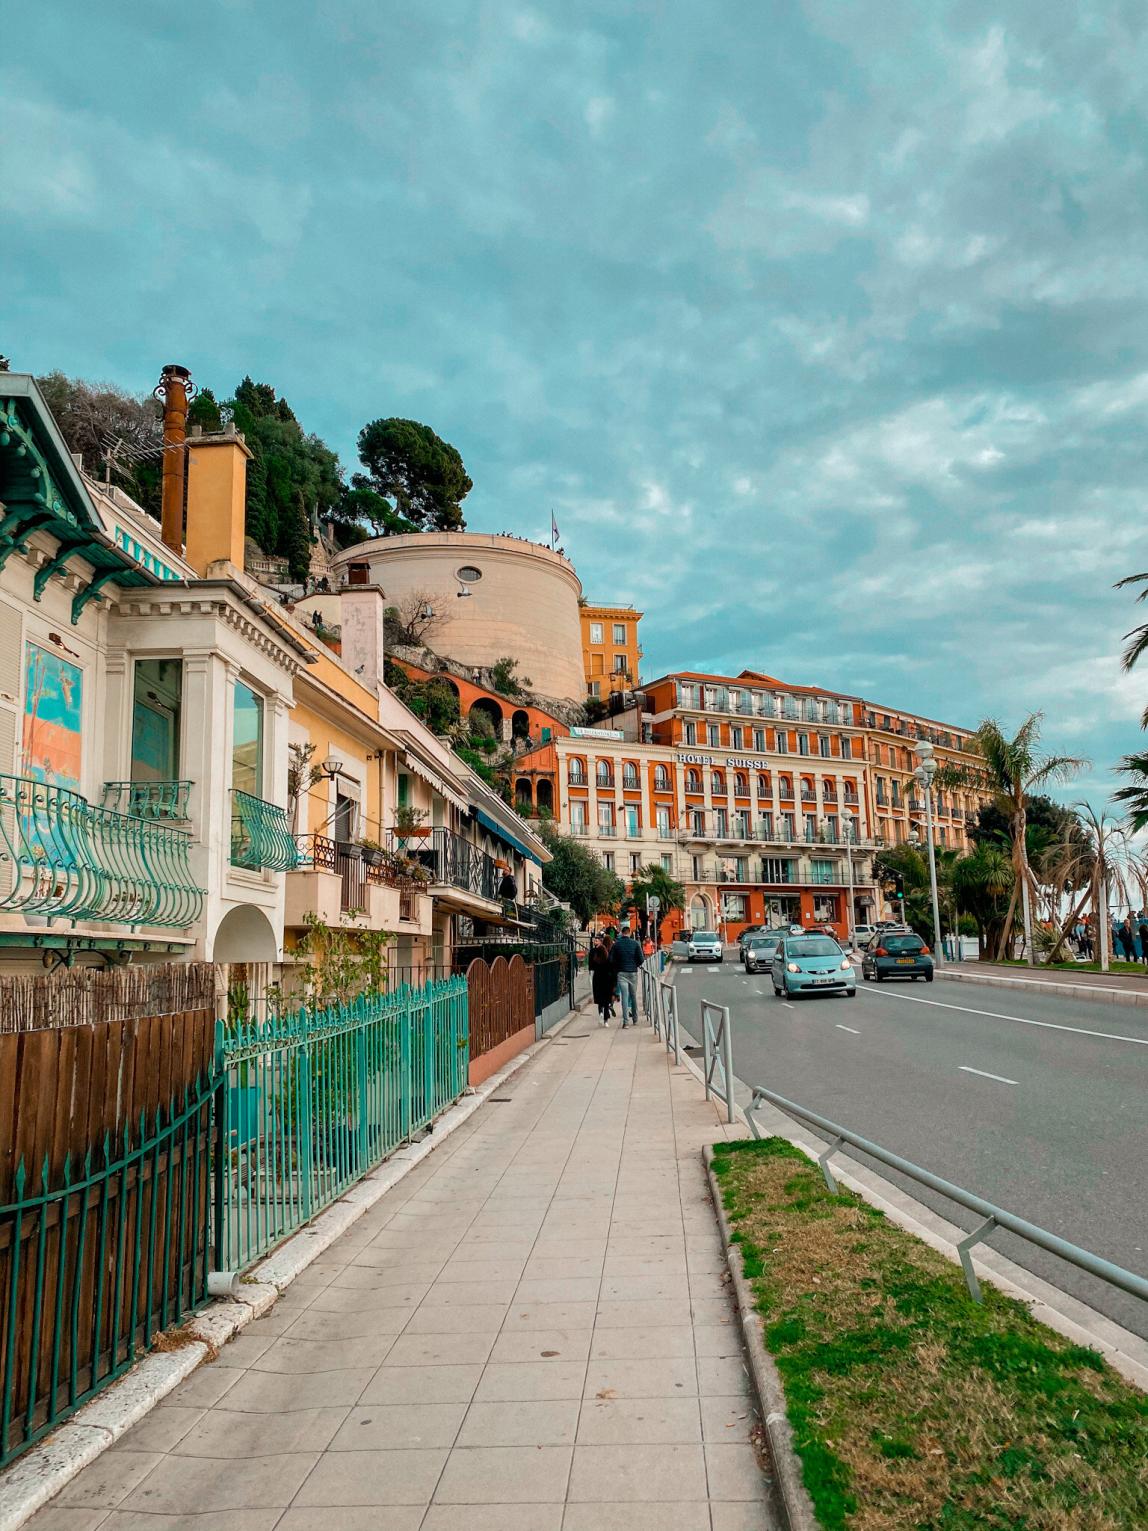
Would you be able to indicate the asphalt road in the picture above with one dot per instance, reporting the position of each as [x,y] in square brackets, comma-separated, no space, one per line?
[1049,1120]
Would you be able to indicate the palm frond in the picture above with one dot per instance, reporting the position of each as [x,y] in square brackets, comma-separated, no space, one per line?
[1056,768]
[1133,579]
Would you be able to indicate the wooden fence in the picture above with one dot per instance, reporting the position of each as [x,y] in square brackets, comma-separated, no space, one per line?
[501,1009]
[90,996]
[105,1189]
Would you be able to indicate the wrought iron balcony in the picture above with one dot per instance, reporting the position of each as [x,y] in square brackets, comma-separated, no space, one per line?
[61,856]
[149,799]
[359,867]
[450,860]
[260,837]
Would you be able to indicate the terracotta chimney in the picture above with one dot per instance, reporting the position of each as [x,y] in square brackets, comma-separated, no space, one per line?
[174,389]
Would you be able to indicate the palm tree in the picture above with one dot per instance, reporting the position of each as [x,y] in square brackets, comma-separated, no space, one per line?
[1136,639]
[1135,795]
[981,882]
[1009,771]
[1106,864]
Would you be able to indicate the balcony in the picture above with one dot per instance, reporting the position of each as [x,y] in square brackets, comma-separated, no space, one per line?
[149,799]
[630,783]
[261,840]
[60,856]
[608,831]
[451,862]
[604,783]
[577,778]
[342,879]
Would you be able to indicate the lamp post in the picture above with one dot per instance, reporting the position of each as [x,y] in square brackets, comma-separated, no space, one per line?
[924,774]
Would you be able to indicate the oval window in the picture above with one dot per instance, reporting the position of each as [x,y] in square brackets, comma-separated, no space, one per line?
[469,574]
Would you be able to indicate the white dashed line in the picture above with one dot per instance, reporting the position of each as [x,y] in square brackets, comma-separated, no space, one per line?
[1000,1079]
[1021,1020]
[853,1029]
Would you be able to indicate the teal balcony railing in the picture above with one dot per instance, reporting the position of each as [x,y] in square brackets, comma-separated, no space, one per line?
[61,856]
[149,799]
[260,837]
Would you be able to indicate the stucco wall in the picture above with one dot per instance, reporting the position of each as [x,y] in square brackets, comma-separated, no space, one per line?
[524,605]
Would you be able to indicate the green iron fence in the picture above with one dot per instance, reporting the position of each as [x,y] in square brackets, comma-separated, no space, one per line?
[261,838]
[314,1099]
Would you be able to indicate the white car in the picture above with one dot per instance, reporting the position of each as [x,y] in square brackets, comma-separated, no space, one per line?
[862,935]
[704,946]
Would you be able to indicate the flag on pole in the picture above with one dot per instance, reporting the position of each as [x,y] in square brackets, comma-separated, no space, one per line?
[553,531]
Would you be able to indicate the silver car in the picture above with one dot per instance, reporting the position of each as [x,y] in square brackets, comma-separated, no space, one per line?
[704,946]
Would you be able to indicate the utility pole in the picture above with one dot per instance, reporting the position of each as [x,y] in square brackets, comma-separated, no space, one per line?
[924,775]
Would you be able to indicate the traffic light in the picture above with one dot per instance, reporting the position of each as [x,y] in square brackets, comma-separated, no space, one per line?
[899,892]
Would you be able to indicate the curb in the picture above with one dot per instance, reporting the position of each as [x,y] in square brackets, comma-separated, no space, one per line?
[1097,994]
[788,1477]
[39,1475]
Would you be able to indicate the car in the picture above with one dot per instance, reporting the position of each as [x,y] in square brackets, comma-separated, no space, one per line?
[862,934]
[812,964]
[896,954]
[704,946]
[758,952]
[750,930]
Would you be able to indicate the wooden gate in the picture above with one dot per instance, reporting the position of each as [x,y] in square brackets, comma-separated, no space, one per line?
[500,1003]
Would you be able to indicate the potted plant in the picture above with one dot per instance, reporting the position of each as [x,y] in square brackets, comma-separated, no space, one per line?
[409,822]
[373,853]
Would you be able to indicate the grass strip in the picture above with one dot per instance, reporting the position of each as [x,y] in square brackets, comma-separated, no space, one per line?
[1116,966]
[912,1407]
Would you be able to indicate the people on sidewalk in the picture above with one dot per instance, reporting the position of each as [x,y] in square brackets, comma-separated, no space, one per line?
[627,957]
[602,978]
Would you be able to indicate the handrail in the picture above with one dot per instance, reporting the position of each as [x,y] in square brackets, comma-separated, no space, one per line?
[63,856]
[260,837]
[148,799]
[995,1217]
[717,1052]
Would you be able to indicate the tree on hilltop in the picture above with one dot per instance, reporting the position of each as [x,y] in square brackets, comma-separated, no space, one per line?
[412,477]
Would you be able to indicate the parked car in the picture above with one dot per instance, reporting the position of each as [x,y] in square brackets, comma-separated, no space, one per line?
[862,934]
[704,946]
[897,954]
[750,930]
[809,964]
[758,952]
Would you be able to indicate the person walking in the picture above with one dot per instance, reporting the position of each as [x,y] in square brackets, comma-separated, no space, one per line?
[1127,939]
[601,978]
[1143,932]
[626,956]
[1086,940]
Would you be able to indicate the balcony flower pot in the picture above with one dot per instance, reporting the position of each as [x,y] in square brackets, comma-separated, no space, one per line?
[416,832]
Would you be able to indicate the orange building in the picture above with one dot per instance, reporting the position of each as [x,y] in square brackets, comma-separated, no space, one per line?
[610,650]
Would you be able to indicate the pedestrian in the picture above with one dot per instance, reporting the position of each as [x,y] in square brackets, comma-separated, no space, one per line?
[626,956]
[1143,930]
[1127,939]
[601,978]
[1086,940]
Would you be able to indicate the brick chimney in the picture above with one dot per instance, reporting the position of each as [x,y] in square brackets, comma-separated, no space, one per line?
[174,389]
[216,499]
[361,643]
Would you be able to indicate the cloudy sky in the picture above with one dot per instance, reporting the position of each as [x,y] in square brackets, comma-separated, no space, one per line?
[822,327]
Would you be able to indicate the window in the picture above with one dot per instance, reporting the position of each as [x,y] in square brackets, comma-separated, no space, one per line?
[577,773]
[468,574]
[721,824]
[696,864]
[896,794]
[608,860]
[667,863]
[247,741]
[733,908]
[763,786]
[619,633]
[693,780]
[759,740]
[663,823]
[803,744]
[691,733]
[846,746]
[735,737]
[633,821]
[786,823]
[715,735]
[595,632]
[765,826]
[629,774]
[597,664]
[596,688]
[661,779]
[823,746]
[825,908]
[810,828]
[785,787]
[635,861]
[782,743]
[776,869]
[606,819]
[740,784]
[578,817]
[156,706]
[605,774]
[821,871]
[619,664]
[717,784]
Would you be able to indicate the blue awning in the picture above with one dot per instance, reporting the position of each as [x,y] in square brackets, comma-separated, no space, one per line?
[504,835]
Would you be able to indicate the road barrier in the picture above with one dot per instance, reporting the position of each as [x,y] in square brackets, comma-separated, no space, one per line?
[995,1217]
[717,1049]
[660,1003]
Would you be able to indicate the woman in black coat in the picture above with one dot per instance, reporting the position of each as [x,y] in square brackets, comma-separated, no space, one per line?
[602,978]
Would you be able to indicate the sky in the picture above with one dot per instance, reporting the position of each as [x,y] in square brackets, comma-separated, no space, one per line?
[820,327]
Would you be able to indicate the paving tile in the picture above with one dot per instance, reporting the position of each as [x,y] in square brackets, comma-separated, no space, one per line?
[206,1386]
[283,1393]
[693,1516]
[542,1345]
[439,1349]
[531,1380]
[306,1357]
[717,1340]
[55,1517]
[391,1426]
[243,1351]
[520,1423]
[563,1267]
[579,1289]
[641,1344]
[375,1517]
[375,1278]
[460,1294]
[160,1430]
[551,1315]
[648,1315]
[733,1473]
[505,1475]
[225,1434]
[493,1517]
[727,1420]
[722,1375]
[485,1318]
[366,1323]
[639,1474]
[196,1483]
[478,1272]
[108,1480]
[670,1289]
[218,1520]
[623,1421]
[423,1384]
[747,1516]
[372,1477]
[670,1377]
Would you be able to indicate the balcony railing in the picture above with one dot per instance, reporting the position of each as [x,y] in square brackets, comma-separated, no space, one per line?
[602,782]
[577,778]
[60,856]
[260,837]
[450,860]
[608,831]
[360,867]
[149,799]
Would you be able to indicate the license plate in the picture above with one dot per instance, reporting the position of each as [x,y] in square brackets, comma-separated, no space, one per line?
[907,962]
[823,980]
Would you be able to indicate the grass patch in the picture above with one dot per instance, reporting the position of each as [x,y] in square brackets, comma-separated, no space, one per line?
[1114,966]
[913,1407]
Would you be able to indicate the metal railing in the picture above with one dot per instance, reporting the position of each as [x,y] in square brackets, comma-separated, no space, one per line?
[994,1216]
[261,839]
[717,1053]
[62,856]
[450,860]
[660,1006]
[316,1098]
[149,799]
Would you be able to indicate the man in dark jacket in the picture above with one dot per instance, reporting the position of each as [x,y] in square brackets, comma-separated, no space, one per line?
[626,956]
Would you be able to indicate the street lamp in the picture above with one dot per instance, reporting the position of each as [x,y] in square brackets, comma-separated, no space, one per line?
[923,775]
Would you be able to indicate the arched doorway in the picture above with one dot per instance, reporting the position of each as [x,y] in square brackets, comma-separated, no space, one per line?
[701,913]
[523,799]
[520,724]
[244,934]
[544,795]
[486,717]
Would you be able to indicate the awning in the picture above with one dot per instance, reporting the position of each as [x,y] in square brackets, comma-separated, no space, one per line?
[491,823]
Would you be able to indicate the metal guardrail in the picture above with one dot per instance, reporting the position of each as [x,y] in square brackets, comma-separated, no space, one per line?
[660,1004]
[717,1052]
[994,1216]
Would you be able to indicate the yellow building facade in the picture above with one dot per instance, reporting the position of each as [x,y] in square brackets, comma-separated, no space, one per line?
[611,653]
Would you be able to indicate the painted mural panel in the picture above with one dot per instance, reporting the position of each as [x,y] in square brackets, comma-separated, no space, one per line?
[53,718]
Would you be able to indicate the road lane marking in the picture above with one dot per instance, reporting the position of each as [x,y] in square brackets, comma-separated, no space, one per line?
[853,1029]
[996,1015]
[1000,1078]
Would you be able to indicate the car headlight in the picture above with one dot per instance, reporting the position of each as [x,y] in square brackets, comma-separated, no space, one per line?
[792,967]
[846,966]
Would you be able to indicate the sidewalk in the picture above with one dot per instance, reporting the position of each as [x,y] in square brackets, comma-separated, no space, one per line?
[529,1333]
